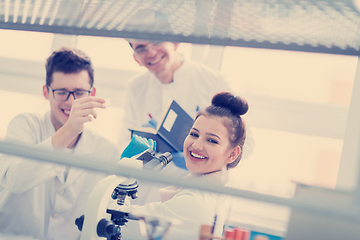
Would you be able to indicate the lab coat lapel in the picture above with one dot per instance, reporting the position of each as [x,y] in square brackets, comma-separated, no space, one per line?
[49,131]
[83,148]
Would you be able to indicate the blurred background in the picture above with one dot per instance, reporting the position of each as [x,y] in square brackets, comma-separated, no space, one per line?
[298,101]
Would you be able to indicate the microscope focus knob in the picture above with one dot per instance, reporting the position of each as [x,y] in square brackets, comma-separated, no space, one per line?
[79,222]
[108,229]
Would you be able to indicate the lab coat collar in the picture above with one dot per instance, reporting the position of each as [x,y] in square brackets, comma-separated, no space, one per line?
[178,72]
[50,131]
[183,69]
[186,67]
[85,145]
[85,148]
[49,126]
[220,177]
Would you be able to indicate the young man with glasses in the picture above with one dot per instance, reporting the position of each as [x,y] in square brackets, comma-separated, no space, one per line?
[40,199]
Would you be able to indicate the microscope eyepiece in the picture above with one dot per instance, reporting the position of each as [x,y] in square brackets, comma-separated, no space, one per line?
[159,161]
[165,158]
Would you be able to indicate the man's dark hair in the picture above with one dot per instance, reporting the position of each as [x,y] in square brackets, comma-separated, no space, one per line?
[68,61]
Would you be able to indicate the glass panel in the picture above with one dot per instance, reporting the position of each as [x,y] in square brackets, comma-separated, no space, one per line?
[25,45]
[14,103]
[262,220]
[281,158]
[185,49]
[108,52]
[115,52]
[309,77]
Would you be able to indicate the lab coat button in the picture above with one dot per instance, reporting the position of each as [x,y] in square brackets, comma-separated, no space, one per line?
[61,191]
[55,215]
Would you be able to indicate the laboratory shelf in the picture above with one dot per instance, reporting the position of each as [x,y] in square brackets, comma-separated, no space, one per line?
[313,26]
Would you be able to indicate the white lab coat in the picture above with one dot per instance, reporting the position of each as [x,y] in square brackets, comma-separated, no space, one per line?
[193,87]
[35,198]
[188,208]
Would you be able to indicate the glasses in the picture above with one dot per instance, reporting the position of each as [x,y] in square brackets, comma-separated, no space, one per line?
[63,95]
[141,49]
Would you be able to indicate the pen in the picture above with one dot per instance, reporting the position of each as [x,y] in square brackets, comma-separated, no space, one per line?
[214,224]
[152,121]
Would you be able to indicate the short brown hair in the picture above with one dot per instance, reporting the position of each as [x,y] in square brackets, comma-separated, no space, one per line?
[68,60]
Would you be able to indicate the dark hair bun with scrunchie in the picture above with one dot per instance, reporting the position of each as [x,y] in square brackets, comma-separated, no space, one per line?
[236,104]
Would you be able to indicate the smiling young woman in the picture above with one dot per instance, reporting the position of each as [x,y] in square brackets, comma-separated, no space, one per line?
[213,145]
[217,136]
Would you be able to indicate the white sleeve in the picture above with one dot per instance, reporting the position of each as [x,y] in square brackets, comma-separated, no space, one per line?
[20,174]
[186,210]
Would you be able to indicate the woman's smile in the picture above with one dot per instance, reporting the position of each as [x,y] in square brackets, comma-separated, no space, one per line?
[207,145]
[196,157]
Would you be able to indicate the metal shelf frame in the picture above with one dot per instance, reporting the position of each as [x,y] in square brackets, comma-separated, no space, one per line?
[312,26]
[335,209]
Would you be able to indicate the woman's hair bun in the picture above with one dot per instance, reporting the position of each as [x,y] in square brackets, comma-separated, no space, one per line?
[236,104]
